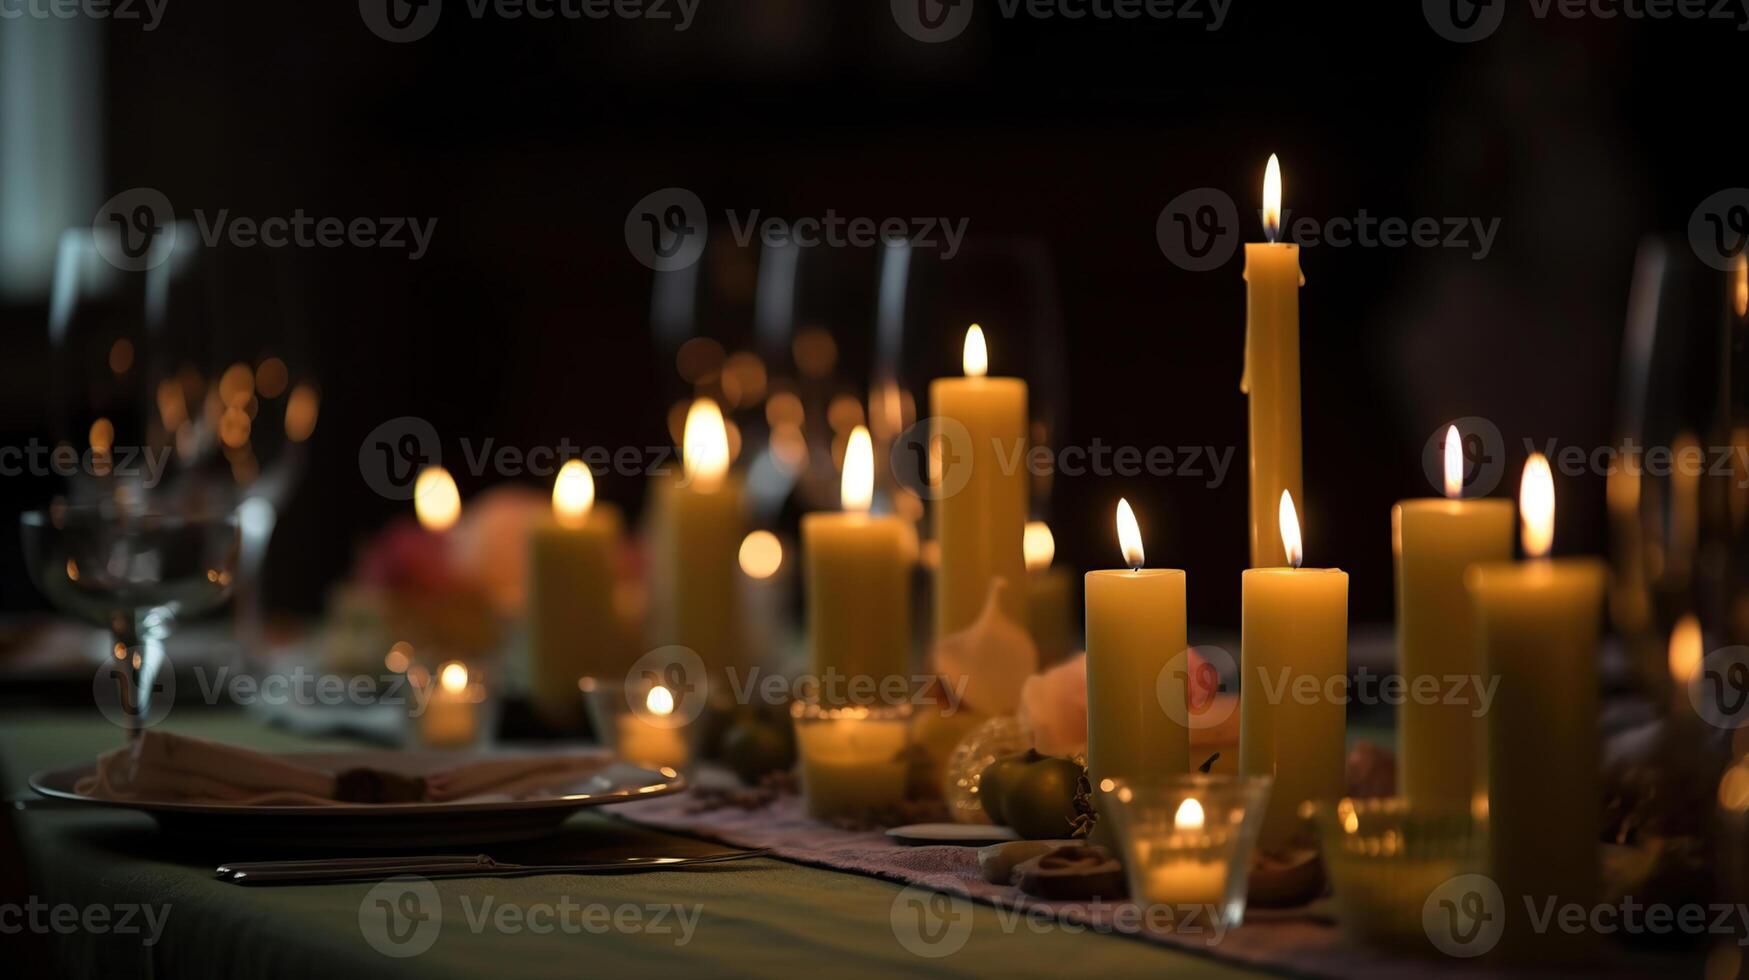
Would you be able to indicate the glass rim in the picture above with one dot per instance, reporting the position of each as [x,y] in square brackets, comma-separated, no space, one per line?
[54,516]
[1180,783]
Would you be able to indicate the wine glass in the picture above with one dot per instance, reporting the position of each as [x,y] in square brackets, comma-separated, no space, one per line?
[1678,495]
[137,573]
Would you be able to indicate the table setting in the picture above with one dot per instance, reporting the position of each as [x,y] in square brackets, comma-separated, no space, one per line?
[762,596]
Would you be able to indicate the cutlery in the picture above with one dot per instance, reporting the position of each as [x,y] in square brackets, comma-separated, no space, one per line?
[447,866]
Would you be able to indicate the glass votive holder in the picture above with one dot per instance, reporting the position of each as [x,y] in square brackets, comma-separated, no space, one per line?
[854,758]
[637,721]
[1385,858]
[1186,843]
[450,709]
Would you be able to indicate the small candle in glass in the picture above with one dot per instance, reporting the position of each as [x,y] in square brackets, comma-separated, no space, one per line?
[450,717]
[637,722]
[1386,856]
[853,758]
[1186,842]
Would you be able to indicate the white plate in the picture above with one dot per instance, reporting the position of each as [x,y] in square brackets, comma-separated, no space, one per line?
[383,824]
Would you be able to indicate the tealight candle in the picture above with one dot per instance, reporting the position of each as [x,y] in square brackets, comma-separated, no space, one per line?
[853,759]
[574,629]
[643,738]
[1433,542]
[450,717]
[1294,652]
[1271,380]
[1186,842]
[1537,622]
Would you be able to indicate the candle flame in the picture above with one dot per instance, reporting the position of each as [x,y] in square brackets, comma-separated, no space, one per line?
[704,447]
[660,701]
[977,356]
[1272,198]
[1536,507]
[573,494]
[436,501]
[1454,464]
[1189,815]
[1039,546]
[1129,536]
[453,677]
[1687,650]
[856,488]
[1290,531]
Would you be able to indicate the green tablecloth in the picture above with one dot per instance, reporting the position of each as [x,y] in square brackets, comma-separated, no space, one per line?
[755,918]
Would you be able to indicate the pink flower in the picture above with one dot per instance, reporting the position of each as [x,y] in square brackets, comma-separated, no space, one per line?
[1053,705]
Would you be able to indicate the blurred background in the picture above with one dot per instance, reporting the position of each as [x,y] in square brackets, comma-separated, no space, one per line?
[528,320]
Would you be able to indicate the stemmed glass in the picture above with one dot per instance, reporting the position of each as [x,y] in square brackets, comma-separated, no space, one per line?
[137,573]
[1679,492]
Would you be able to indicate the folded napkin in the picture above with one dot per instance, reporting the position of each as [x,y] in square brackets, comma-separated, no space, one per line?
[166,768]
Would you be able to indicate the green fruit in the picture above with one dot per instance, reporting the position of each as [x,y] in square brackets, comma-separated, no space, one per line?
[997,777]
[1040,803]
[753,748]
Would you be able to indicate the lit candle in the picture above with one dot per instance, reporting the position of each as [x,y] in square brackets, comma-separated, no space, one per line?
[859,581]
[1434,541]
[644,740]
[853,759]
[979,527]
[436,501]
[1047,597]
[699,529]
[1191,869]
[1537,624]
[573,627]
[1272,373]
[1294,652]
[451,715]
[1135,626]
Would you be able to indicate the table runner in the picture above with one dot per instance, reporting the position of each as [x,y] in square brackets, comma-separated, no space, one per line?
[1302,942]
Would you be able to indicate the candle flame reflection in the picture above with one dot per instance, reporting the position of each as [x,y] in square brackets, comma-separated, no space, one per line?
[1536,507]
[1189,815]
[977,356]
[1290,530]
[704,445]
[1454,464]
[1038,545]
[573,494]
[856,488]
[1129,535]
[436,501]
[1272,198]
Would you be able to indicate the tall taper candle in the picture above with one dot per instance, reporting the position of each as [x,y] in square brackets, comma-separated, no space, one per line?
[1272,374]
[700,526]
